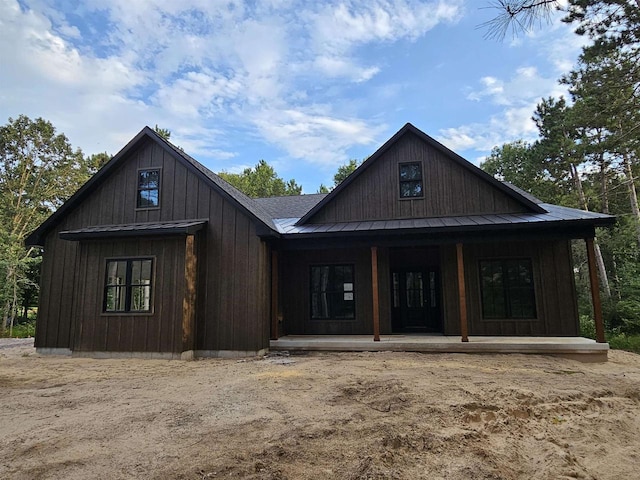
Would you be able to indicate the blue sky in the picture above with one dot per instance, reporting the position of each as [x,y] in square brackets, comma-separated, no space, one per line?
[303,85]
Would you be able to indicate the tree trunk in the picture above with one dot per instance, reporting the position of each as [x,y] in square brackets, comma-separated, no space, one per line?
[633,195]
[603,185]
[604,279]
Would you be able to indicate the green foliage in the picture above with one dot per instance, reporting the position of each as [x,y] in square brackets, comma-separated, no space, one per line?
[261,181]
[323,189]
[39,170]
[622,341]
[163,132]
[24,329]
[344,171]
[520,164]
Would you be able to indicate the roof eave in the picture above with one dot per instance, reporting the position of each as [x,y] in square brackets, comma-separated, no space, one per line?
[438,146]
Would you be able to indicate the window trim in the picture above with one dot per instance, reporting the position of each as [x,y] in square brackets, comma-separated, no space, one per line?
[121,313]
[353,292]
[534,292]
[400,181]
[145,169]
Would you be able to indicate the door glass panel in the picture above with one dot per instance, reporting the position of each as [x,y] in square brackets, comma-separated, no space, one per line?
[432,288]
[396,291]
[415,289]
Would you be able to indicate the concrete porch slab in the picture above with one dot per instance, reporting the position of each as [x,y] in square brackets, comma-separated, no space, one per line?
[573,347]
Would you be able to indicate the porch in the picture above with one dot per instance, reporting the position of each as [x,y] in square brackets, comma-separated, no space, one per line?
[577,348]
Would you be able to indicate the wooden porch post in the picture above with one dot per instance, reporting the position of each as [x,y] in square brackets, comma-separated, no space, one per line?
[274,294]
[462,297]
[374,287]
[595,291]
[189,299]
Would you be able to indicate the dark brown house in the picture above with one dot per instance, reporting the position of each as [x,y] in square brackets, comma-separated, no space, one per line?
[158,256]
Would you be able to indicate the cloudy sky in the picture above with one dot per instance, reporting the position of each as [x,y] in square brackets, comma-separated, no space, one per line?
[303,85]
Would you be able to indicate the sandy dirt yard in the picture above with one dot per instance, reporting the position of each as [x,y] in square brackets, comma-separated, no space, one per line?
[327,416]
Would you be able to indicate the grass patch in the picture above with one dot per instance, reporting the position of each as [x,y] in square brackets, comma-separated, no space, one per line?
[621,341]
[22,330]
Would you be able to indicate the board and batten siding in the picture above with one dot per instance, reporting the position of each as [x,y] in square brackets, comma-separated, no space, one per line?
[449,189]
[232,265]
[295,285]
[556,303]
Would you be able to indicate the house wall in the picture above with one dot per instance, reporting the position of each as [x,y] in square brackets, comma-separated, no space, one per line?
[233,263]
[556,303]
[449,189]
[295,289]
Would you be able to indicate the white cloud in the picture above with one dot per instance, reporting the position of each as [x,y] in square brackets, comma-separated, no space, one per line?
[515,98]
[304,134]
[105,69]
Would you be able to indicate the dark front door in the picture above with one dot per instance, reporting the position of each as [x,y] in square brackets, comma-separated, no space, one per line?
[415,300]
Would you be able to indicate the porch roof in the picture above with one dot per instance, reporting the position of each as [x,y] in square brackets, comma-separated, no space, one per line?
[555,215]
[134,229]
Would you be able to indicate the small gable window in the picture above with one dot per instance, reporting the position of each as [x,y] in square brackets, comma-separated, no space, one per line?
[332,292]
[411,180]
[148,188]
[128,285]
[507,289]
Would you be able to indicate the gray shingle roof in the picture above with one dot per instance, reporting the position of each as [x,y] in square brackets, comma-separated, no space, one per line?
[290,206]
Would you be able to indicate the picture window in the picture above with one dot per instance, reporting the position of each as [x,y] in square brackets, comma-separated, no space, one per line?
[507,289]
[128,285]
[332,292]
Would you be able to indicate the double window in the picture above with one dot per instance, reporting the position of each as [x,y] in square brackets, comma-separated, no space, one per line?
[410,180]
[128,285]
[507,289]
[332,292]
[148,188]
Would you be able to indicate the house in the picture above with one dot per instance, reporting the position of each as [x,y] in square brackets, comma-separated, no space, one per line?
[157,256]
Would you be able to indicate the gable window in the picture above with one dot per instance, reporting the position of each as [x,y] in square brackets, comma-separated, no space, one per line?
[332,292]
[410,180]
[128,285]
[507,289]
[148,188]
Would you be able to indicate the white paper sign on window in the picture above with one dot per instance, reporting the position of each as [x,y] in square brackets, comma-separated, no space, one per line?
[348,295]
[348,287]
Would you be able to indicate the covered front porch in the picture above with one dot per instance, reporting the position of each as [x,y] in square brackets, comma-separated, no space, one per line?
[577,348]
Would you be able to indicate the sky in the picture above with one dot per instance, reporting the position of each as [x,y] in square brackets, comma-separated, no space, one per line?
[305,86]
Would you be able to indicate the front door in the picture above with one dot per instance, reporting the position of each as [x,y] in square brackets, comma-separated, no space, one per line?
[415,300]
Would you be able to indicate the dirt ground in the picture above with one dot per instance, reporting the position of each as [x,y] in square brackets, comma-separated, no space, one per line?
[328,416]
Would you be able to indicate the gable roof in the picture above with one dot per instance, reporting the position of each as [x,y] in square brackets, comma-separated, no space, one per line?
[516,195]
[235,196]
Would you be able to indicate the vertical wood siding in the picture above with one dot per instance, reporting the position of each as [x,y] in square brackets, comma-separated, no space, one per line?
[556,304]
[295,285]
[232,300]
[449,189]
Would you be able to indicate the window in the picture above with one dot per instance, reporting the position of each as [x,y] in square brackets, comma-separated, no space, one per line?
[507,289]
[148,188]
[332,293]
[128,285]
[410,180]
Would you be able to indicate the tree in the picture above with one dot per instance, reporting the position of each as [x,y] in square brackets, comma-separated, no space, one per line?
[261,181]
[519,163]
[39,170]
[345,170]
[163,132]
[518,15]
[323,189]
